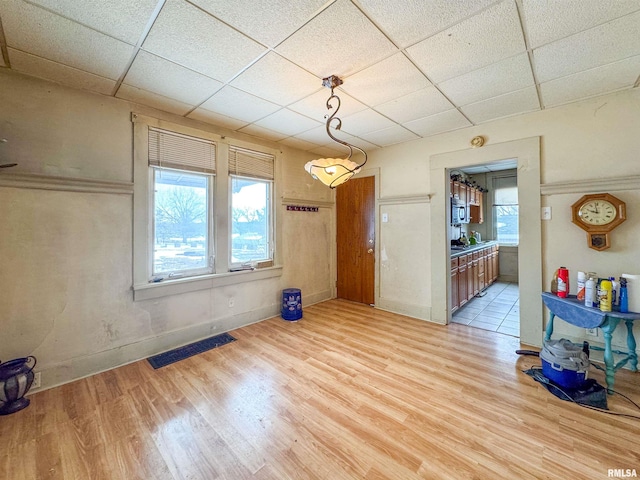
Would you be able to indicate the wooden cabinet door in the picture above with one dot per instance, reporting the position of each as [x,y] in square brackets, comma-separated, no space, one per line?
[471,271]
[454,290]
[496,266]
[489,269]
[462,285]
[481,265]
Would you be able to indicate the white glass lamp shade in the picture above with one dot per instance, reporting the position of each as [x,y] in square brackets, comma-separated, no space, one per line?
[332,171]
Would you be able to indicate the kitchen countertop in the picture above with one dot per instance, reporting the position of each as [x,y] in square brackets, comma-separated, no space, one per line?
[471,248]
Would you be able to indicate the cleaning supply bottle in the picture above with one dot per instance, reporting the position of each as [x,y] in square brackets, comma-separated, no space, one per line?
[614,291]
[563,282]
[604,294]
[582,278]
[590,292]
[624,300]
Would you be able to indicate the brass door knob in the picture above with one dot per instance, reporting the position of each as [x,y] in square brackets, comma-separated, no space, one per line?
[370,250]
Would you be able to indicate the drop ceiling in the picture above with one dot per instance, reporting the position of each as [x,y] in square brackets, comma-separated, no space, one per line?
[411,68]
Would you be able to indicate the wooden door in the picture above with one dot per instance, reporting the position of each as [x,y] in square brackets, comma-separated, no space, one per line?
[355,217]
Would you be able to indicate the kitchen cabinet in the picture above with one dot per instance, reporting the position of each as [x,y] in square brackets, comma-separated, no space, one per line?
[462,280]
[472,272]
[454,285]
[476,212]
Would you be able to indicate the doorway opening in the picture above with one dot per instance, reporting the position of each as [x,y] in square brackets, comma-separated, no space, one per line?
[483,247]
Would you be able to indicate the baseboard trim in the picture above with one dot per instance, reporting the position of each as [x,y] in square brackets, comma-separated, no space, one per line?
[85,366]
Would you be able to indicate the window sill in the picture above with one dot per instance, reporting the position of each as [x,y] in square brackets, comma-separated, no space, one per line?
[178,286]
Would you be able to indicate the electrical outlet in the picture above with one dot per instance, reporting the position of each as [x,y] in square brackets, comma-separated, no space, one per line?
[592,332]
[232,302]
[36,380]
[545,213]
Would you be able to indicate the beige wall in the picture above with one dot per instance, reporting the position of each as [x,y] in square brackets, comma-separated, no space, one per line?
[66,245]
[584,147]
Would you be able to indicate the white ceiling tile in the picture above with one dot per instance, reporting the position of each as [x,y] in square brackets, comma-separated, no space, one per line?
[496,79]
[298,143]
[353,140]
[410,21]
[260,132]
[548,21]
[439,123]
[40,67]
[235,103]
[208,116]
[143,97]
[589,83]
[388,79]
[600,45]
[339,41]
[390,136]
[187,36]
[123,19]
[165,78]
[514,103]
[287,122]
[317,135]
[251,16]
[277,80]
[315,105]
[366,121]
[486,38]
[422,103]
[328,152]
[46,35]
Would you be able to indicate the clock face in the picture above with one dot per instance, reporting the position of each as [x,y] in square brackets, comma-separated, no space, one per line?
[597,212]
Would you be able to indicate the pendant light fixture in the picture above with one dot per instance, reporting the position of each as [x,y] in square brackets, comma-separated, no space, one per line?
[334,171]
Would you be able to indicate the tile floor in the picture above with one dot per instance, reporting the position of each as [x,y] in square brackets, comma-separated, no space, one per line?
[498,310]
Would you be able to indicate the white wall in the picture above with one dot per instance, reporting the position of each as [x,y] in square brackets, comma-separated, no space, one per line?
[66,246]
[581,144]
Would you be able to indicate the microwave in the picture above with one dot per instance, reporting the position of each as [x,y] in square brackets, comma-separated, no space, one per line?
[459,212]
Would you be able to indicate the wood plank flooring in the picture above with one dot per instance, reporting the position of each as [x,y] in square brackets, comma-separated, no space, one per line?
[348,392]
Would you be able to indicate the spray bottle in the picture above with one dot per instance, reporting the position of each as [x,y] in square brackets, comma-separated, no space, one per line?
[624,300]
[590,292]
[604,294]
[582,278]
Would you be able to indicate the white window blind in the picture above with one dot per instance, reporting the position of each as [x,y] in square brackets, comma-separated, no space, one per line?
[505,191]
[173,150]
[249,163]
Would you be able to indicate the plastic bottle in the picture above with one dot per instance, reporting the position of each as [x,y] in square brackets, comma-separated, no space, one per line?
[604,294]
[582,278]
[554,283]
[614,290]
[590,292]
[563,282]
[624,300]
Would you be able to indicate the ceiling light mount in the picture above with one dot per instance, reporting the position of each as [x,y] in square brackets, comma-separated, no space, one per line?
[334,171]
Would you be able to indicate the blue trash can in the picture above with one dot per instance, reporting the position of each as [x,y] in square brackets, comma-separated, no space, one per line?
[291,304]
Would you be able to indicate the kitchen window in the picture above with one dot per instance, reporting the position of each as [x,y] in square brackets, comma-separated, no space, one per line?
[505,210]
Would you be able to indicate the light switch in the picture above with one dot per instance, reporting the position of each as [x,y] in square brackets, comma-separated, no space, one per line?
[385,217]
[546,213]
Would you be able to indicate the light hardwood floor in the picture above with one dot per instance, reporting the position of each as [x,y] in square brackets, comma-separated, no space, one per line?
[348,392]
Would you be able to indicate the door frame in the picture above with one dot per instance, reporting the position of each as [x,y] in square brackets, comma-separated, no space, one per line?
[527,153]
[367,172]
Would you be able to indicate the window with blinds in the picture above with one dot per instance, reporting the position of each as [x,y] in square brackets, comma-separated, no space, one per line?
[505,210]
[174,150]
[250,163]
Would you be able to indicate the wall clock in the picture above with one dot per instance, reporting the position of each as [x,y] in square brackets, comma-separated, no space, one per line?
[598,214]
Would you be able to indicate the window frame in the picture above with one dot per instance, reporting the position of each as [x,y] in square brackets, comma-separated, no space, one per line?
[496,178]
[270,224]
[143,288]
[185,273]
